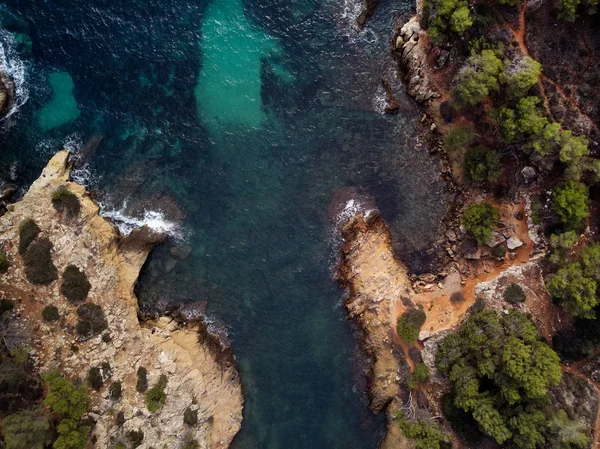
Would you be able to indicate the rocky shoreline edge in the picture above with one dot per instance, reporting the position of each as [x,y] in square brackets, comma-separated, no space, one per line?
[201,373]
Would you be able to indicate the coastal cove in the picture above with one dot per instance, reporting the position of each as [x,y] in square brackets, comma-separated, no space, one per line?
[245,130]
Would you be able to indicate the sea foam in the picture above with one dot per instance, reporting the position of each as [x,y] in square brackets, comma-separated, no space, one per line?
[155,220]
[13,65]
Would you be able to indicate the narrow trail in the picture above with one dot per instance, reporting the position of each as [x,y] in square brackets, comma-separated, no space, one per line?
[519,36]
[574,370]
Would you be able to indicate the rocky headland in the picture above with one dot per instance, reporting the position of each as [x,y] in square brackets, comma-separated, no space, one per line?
[201,374]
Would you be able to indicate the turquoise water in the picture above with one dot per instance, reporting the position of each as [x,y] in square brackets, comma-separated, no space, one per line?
[240,123]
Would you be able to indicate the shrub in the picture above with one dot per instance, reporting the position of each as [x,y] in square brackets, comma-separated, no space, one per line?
[65,201]
[426,434]
[27,429]
[106,337]
[120,419]
[75,285]
[570,203]
[561,246]
[91,319]
[135,437]
[421,372]
[155,396]
[409,325]
[4,262]
[190,417]
[479,220]
[482,165]
[499,252]
[458,137]
[115,390]
[575,291]
[50,313]
[28,232]
[94,378]
[39,267]
[6,305]
[191,444]
[142,380]
[121,445]
[514,294]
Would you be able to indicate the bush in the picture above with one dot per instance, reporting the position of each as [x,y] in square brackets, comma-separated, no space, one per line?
[482,165]
[115,390]
[426,435]
[520,75]
[458,137]
[190,417]
[94,378]
[120,419]
[191,444]
[135,437]
[91,319]
[575,291]
[4,262]
[156,397]
[561,246]
[409,325]
[28,232]
[75,285]
[421,372]
[50,313]
[479,220]
[106,337]
[64,398]
[142,380]
[514,294]
[65,201]
[499,252]
[6,305]
[27,429]
[39,267]
[570,203]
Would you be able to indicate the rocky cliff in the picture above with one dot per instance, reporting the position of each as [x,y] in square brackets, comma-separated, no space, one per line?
[199,376]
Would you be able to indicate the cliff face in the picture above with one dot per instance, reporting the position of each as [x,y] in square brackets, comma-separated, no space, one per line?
[198,376]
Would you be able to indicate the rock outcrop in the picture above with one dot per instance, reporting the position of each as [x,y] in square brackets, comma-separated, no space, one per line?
[200,375]
[7,93]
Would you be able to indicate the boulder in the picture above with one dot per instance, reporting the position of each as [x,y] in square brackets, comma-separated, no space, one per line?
[513,243]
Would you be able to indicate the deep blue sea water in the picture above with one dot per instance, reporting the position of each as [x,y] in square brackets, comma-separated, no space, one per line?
[236,123]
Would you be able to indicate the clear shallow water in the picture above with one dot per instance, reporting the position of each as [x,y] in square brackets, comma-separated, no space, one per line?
[239,121]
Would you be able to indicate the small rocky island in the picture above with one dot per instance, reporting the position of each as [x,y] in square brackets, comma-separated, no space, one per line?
[72,316]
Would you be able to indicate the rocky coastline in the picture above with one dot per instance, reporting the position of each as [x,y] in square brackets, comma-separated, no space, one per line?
[202,374]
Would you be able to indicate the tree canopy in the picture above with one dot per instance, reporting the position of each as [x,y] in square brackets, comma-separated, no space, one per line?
[479,219]
[501,373]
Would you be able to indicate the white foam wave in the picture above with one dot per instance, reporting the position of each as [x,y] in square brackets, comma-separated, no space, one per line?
[11,63]
[155,220]
[85,176]
[379,100]
[353,207]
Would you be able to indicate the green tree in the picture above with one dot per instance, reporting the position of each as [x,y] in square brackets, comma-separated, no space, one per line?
[459,137]
[482,165]
[479,220]
[501,373]
[519,75]
[156,396]
[64,398]
[71,435]
[574,291]
[478,78]
[561,246]
[27,429]
[460,20]
[570,203]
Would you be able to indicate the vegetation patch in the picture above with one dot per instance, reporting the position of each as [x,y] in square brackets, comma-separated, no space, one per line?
[4,262]
[65,201]
[27,429]
[156,396]
[426,434]
[458,138]
[50,313]
[482,165]
[190,417]
[479,220]
[142,380]
[75,285]
[94,378]
[39,267]
[28,232]
[135,437]
[501,373]
[115,390]
[409,324]
[6,305]
[514,294]
[570,203]
[92,320]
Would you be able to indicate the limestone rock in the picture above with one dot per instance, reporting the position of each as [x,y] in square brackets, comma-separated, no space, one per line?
[513,243]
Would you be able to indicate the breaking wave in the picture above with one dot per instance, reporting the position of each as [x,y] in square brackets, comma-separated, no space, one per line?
[11,63]
[155,220]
